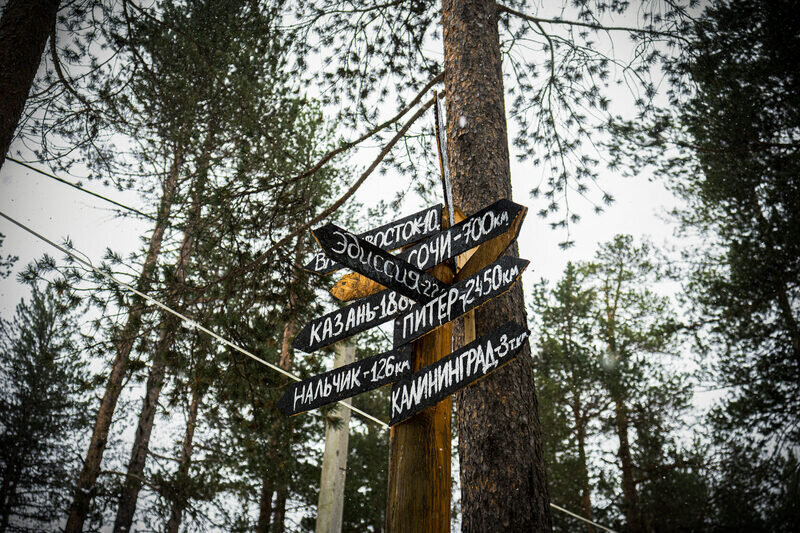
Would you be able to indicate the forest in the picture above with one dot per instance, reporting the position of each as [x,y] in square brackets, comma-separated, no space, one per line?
[216,147]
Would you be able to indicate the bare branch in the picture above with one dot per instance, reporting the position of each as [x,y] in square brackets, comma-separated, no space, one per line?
[330,209]
[346,146]
[505,9]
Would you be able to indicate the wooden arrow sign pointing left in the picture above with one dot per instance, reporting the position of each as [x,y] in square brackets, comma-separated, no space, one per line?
[378,265]
[346,381]
[436,382]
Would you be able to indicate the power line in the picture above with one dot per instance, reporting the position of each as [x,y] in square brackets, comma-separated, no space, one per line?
[579,517]
[75,186]
[186,320]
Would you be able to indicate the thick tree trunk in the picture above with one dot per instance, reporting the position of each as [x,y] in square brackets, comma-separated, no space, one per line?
[91,465]
[24,29]
[158,368]
[629,494]
[185,461]
[503,479]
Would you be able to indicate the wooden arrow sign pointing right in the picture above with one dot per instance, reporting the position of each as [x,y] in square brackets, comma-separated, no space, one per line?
[378,265]
[458,299]
[436,382]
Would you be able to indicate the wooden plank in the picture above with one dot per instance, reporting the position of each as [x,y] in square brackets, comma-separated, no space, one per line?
[378,265]
[351,319]
[391,236]
[346,381]
[438,381]
[419,489]
[497,224]
[459,298]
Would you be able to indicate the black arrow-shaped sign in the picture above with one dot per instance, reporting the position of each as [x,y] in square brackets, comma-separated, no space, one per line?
[458,299]
[378,265]
[487,224]
[436,382]
[484,225]
[390,236]
[346,381]
[351,319]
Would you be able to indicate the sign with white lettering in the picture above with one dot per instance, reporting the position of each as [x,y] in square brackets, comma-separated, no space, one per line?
[351,319]
[378,265]
[439,380]
[458,299]
[346,381]
[487,224]
[390,236]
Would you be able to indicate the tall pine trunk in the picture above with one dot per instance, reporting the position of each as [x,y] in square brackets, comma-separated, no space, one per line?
[629,493]
[166,337]
[268,513]
[24,29]
[580,434]
[85,489]
[265,505]
[179,502]
[503,479]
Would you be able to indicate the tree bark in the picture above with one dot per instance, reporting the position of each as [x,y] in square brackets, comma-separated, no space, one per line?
[84,491]
[166,337]
[279,512]
[265,506]
[586,491]
[24,29]
[503,479]
[629,494]
[185,461]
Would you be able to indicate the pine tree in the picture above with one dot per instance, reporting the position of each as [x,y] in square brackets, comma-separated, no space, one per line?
[42,411]
[569,381]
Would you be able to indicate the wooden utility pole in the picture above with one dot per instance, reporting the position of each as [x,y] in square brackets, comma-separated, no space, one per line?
[330,505]
[418,499]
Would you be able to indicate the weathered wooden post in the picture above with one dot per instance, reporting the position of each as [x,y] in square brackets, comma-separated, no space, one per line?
[419,449]
[330,504]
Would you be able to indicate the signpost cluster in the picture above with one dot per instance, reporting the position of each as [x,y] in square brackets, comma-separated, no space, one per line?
[420,290]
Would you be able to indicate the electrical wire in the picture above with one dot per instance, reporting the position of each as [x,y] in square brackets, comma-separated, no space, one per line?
[186,320]
[73,185]
[579,517]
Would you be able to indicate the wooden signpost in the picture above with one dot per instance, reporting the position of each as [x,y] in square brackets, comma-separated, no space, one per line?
[420,290]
